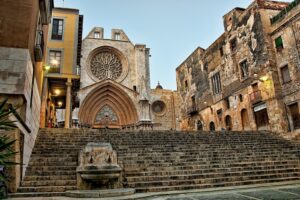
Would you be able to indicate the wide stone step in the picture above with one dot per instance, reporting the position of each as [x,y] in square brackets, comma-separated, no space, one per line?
[51,168]
[53,159]
[50,173]
[53,163]
[48,178]
[49,183]
[169,172]
[46,189]
[205,158]
[219,174]
[202,186]
[36,194]
[193,161]
[211,180]
[191,166]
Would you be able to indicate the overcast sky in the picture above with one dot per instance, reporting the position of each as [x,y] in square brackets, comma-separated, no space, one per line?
[172,29]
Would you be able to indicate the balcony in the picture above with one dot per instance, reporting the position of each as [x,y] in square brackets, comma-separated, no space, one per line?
[255,97]
[39,46]
[192,110]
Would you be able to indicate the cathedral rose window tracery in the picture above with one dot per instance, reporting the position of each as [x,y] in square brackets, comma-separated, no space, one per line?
[106,65]
[106,114]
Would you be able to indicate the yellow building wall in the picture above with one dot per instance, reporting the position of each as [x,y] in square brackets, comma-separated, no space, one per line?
[69,42]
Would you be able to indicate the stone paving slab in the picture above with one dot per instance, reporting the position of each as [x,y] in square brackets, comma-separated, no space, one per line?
[262,192]
[292,190]
[271,194]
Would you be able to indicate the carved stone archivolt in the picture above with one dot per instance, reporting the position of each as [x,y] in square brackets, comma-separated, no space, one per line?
[107,106]
[106,63]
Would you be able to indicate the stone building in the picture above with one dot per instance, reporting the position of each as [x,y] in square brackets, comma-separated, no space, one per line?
[23,39]
[62,64]
[248,79]
[115,86]
[285,32]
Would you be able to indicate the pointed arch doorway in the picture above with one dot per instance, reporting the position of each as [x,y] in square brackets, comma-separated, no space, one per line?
[107,106]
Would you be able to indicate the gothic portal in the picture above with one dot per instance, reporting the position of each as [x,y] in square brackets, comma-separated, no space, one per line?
[115,86]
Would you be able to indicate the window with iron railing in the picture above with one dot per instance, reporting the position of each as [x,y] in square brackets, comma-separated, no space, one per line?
[39,46]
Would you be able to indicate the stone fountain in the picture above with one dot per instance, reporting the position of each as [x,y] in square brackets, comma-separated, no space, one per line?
[98,173]
[98,167]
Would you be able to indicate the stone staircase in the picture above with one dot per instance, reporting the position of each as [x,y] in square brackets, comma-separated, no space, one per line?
[162,161]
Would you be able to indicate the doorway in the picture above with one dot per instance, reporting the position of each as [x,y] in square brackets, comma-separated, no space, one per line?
[245,119]
[295,115]
[261,117]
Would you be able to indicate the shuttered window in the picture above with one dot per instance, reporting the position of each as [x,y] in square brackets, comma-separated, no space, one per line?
[285,73]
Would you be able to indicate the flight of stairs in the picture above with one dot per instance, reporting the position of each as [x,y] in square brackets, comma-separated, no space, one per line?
[161,161]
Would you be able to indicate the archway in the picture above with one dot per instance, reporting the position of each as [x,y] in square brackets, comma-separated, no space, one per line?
[245,119]
[228,123]
[107,106]
[199,125]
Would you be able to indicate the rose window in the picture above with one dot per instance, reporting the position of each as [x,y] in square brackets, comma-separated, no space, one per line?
[106,65]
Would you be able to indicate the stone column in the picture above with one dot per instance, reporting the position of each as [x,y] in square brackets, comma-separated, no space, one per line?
[44,105]
[68,104]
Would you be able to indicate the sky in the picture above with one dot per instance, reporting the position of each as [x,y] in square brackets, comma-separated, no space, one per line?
[172,29]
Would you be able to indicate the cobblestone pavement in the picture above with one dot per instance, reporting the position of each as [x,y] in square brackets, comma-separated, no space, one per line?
[287,192]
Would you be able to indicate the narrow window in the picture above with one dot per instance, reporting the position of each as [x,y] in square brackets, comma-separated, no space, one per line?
[134,88]
[57,29]
[285,73]
[279,43]
[97,35]
[193,101]
[117,36]
[241,98]
[186,85]
[244,69]
[219,114]
[55,61]
[227,102]
[221,51]
[216,83]
[233,44]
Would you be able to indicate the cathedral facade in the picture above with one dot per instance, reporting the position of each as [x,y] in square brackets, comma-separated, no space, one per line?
[115,86]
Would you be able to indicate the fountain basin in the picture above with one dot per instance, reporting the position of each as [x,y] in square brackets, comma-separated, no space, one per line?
[103,174]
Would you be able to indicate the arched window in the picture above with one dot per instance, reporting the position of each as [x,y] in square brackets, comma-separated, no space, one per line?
[212,126]
[228,123]
[199,125]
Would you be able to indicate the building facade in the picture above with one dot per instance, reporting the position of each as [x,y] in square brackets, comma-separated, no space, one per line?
[62,68]
[23,39]
[245,80]
[115,86]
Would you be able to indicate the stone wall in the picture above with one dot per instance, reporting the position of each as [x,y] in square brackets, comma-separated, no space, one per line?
[18,85]
[168,118]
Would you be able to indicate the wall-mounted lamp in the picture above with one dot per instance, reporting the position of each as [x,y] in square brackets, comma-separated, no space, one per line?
[59,104]
[57,92]
[47,67]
